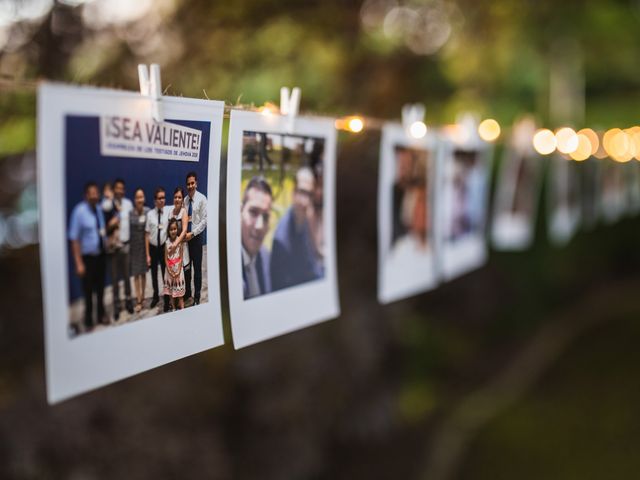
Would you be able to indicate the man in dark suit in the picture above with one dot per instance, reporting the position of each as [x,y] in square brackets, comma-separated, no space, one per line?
[255,214]
[294,257]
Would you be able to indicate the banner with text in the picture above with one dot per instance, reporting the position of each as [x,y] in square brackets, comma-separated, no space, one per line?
[134,137]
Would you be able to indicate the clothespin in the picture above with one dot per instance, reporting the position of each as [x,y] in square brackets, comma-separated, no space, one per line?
[468,128]
[151,86]
[413,120]
[290,105]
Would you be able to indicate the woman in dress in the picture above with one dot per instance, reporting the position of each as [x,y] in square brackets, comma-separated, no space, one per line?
[180,214]
[174,285]
[138,255]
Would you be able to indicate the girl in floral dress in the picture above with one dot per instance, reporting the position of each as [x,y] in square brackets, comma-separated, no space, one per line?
[174,284]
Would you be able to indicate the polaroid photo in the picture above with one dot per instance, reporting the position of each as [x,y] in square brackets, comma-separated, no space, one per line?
[517,192]
[563,199]
[281,248]
[128,233]
[613,191]
[632,184]
[406,209]
[590,191]
[464,198]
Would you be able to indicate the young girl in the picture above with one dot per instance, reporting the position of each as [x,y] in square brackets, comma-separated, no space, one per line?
[174,284]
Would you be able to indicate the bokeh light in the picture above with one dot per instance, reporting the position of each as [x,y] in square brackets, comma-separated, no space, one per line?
[489,130]
[544,141]
[418,129]
[584,149]
[566,140]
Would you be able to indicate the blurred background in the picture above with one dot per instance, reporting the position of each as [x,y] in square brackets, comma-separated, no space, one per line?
[525,368]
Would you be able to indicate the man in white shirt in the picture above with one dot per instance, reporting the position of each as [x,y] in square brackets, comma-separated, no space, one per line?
[196,206]
[156,236]
[120,257]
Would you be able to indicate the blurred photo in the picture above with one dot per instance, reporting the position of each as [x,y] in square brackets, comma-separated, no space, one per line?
[464,190]
[563,199]
[405,213]
[468,191]
[516,200]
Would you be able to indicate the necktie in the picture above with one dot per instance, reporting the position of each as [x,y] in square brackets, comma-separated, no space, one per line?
[190,212]
[95,214]
[253,283]
[159,225]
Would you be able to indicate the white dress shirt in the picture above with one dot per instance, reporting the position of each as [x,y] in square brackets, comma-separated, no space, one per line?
[125,210]
[154,223]
[198,213]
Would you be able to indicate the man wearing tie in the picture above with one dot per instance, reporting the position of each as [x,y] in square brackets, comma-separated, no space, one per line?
[196,205]
[87,235]
[255,214]
[156,236]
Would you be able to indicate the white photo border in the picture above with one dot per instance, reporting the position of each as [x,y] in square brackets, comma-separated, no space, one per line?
[511,231]
[468,254]
[562,224]
[394,285]
[77,365]
[277,313]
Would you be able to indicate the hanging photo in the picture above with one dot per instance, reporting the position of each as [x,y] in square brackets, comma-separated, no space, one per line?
[128,233]
[280,225]
[613,191]
[517,192]
[590,191]
[464,193]
[406,235]
[563,199]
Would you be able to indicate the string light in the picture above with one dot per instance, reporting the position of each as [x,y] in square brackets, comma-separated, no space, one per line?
[489,130]
[566,140]
[544,141]
[583,151]
[418,129]
[593,139]
[268,109]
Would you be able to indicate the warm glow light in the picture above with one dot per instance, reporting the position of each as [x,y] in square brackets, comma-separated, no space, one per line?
[618,145]
[593,139]
[418,129]
[544,141]
[584,148]
[634,134]
[489,130]
[355,124]
[567,140]
[268,109]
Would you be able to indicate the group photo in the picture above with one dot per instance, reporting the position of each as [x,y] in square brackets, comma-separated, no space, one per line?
[136,234]
[282,212]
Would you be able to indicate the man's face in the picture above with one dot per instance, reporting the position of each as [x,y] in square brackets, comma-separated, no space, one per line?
[303,197]
[118,190]
[92,196]
[255,215]
[160,200]
[192,184]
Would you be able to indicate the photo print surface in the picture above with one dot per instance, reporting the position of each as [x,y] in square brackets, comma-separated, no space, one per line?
[129,233]
[407,240]
[612,192]
[564,205]
[465,190]
[516,199]
[280,225]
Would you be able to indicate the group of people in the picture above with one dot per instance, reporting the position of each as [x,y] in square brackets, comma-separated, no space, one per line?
[296,255]
[132,239]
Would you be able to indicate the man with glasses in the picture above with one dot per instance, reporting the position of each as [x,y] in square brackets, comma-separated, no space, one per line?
[293,257]
[255,214]
[156,236]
